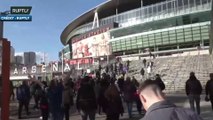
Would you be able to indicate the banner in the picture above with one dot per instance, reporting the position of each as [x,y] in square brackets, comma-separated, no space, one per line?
[93,46]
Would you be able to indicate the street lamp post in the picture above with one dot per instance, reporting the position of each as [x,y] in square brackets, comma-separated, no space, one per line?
[1,29]
[2,23]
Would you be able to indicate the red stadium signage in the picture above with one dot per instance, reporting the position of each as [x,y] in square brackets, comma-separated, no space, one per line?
[81,61]
[94,32]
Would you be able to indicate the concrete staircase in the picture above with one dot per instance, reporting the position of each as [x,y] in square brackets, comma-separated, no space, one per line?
[175,71]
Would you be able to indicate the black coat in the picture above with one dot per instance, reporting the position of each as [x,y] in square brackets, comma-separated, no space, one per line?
[160,83]
[168,111]
[193,87]
[209,88]
[86,99]
[114,106]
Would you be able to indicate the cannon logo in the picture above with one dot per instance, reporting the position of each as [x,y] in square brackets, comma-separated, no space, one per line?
[17,13]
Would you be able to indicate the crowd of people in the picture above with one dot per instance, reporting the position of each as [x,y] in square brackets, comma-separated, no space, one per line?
[105,93]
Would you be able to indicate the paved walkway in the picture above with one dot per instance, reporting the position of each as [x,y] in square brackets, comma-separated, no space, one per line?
[178,99]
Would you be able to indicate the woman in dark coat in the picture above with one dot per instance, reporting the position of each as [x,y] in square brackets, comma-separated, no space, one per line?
[114,104]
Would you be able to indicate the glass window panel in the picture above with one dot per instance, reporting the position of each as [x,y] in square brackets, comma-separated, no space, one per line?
[172,32]
[134,47]
[179,30]
[172,41]
[180,40]
[129,48]
[187,29]
[195,28]
[188,39]
[159,43]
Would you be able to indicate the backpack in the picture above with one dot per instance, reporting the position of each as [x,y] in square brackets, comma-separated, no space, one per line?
[21,93]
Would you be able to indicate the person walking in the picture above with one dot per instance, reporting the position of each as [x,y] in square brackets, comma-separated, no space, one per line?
[144,63]
[129,92]
[54,94]
[114,103]
[193,91]
[23,96]
[136,95]
[12,94]
[67,98]
[158,108]
[142,73]
[86,100]
[209,89]
[160,82]
[44,104]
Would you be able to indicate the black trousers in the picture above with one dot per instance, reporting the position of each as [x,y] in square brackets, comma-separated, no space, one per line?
[211,100]
[36,98]
[139,105]
[113,117]
[44,114]
[21,104]
[66,111]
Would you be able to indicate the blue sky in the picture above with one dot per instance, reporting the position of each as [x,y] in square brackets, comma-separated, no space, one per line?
[50,17]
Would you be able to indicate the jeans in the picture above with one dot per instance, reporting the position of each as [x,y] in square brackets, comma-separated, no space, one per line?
[86,114]
[129,108]
[194,99]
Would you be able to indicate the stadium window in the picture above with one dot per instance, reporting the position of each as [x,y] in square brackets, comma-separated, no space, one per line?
[194,31]
[205,36]
[128,48]
[195,20]
[186,19]
[134,46]
[179,31]
[188,38]
[196,37]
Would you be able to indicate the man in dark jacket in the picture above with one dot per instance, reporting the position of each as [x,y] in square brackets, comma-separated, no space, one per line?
[23,96]
[193,91]
[129,93]
[86,100]
[209,89]
[160,82]
[158,108]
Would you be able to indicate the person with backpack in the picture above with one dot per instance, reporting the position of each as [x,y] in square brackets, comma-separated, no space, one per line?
[193,91]
[209,90]
[23,97]
[86,100]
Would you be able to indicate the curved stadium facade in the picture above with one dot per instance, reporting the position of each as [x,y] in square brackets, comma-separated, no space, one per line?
[119,27]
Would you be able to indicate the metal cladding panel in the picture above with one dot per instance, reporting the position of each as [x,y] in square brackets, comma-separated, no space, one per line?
[105,10]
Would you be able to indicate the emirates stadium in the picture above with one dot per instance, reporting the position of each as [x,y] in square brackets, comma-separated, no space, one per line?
[131,27]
